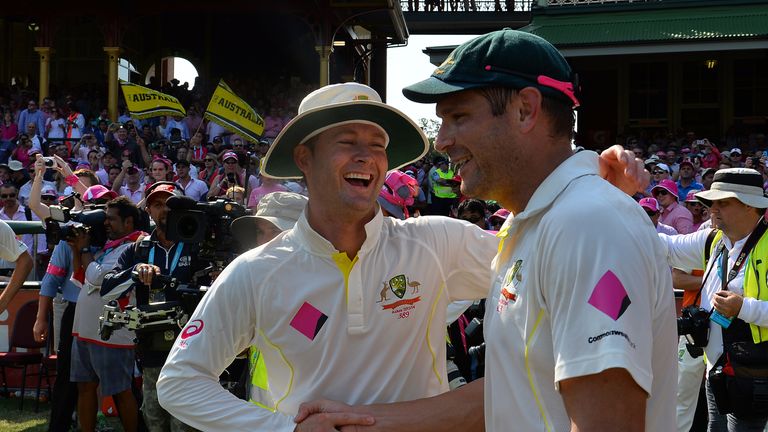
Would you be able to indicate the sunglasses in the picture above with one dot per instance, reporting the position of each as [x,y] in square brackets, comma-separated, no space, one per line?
[237,145]
[4,196]
[660,192]
[659,171]
[210,160]
[230,162]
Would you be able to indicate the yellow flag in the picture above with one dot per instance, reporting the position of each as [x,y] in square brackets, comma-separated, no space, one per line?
[233,113]
[144,102]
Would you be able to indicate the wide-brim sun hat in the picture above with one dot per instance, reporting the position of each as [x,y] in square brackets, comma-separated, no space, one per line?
[744,184]
[337,105]
[281,209]
[669,186]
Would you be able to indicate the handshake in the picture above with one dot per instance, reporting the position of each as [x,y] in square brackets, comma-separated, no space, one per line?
[326,415]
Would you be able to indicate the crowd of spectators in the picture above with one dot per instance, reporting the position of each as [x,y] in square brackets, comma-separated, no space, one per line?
[128,155]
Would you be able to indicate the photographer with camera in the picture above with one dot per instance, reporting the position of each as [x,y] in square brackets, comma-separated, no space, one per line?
[731,325]
[152,257]
[58,279]
[232,175]
[96,363]
[53,163]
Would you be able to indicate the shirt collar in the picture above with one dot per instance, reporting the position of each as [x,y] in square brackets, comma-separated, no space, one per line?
[319,245]
[580,164]
[668,209]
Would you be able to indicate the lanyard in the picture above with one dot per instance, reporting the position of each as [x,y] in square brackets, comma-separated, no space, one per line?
[176,257]
[745,251]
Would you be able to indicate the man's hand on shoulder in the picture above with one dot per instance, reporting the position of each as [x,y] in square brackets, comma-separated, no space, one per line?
[622,169]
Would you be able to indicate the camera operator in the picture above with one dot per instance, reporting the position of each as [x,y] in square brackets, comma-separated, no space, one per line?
[97,364]
[734,299]
[154,256]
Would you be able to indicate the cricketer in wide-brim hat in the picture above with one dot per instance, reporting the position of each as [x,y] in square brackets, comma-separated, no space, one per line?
[337,105]
[744,184]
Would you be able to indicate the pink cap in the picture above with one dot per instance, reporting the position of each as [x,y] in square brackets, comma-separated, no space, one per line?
[398,192]
[691,197]
[98,191]
[502,214]
[650,204]
[669,185]
[230,155]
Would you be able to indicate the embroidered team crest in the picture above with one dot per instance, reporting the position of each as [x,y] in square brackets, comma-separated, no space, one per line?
[441,69]
[398,285]
[509,291]
[513,276]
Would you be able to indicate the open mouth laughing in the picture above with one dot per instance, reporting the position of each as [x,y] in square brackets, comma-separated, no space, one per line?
[358,179]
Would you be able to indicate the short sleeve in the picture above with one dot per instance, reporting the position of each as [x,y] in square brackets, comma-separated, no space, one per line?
[10,246]
[601,302]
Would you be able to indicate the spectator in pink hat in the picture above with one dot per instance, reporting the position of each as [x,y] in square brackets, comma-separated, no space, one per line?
[672,213]
[498,218]
[652,209]
[697,209]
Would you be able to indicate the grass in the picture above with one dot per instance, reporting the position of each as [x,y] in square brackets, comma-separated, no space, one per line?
[13,420]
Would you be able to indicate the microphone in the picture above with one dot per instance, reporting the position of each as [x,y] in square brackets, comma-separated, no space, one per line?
[181,203]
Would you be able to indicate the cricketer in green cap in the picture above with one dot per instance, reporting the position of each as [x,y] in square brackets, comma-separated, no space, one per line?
[578,279]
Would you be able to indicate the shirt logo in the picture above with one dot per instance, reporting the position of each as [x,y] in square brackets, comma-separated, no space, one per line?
[399,286]
[509,291]
[309,320]
[194,327]
[610,297]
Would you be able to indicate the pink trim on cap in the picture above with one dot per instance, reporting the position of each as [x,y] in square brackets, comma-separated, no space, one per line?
[562,86]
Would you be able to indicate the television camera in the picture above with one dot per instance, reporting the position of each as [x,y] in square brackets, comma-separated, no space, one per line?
[207,226]
[64,223]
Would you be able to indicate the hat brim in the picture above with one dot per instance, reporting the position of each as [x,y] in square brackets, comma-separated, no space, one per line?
[407,142]
[392,209]
[706,197]
[246,228]
[432,89]
[658,186]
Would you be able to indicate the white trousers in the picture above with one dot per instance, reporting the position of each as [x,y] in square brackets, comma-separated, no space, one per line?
[690,372]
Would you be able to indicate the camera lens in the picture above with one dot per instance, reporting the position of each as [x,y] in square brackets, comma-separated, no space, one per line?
[49,162]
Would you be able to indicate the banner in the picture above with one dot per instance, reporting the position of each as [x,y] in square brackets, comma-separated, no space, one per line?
[144,103]
[231,112]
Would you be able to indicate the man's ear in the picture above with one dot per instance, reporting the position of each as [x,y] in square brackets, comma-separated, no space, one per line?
[529,108]
[301,156]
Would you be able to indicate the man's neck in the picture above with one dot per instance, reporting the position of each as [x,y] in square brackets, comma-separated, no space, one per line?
[744,230]
[133,187]
[164,242]
[10,211]
[346,234]
[685,182]
[185,179]
[516,197]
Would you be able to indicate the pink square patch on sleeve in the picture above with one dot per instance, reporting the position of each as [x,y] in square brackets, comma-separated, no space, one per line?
[610,297]
[308,320]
